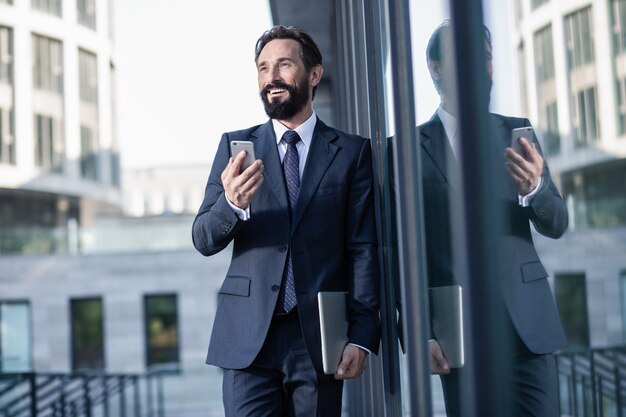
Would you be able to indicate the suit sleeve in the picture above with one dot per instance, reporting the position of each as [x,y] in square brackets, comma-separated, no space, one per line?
[547,211]
[216,223]
[362,256]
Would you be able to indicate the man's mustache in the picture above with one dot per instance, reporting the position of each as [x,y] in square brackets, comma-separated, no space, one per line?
[276,84]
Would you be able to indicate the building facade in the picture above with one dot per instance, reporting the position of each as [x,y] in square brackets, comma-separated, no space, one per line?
[59,160]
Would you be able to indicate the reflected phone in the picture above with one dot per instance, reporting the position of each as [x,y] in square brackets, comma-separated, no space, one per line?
[237,146]
[521,132]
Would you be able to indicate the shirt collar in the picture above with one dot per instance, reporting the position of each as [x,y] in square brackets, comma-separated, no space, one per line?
[449,122]
[305,130]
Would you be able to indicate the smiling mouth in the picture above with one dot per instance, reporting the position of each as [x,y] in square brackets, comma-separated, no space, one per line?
[276,91]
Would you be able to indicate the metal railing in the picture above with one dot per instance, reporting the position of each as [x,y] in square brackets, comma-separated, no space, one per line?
[82,394]
[593,383]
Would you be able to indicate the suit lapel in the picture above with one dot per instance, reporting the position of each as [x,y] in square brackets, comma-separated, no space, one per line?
[320,155]
[266,150]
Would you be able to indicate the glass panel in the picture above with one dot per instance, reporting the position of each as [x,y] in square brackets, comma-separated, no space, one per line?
[571,298]
[87,334]
[161,329]
[15,337]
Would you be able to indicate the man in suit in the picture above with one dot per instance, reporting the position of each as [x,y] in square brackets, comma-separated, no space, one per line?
[301,220]
[529,196]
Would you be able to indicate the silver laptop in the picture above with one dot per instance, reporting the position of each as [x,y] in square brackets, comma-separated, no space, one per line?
[333,327]
[446,316]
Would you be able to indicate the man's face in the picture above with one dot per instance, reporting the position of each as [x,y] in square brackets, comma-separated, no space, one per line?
[283,79]
[443,74]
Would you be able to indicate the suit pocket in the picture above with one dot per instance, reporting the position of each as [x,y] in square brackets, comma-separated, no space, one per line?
[532,271]
[332,190]
[236,286]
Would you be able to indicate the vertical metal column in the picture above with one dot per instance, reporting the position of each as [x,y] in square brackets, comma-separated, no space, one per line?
[32,378]
[408,180]
[484,391]
[375,32]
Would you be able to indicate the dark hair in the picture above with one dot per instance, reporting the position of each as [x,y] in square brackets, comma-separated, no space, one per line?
[433,50]
[309,52]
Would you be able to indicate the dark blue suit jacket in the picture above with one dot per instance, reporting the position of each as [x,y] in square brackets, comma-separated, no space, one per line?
[332,238]
[525,287]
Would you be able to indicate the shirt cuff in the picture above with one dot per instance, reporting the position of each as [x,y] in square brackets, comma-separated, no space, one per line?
[243,214]
[526,200]
[361,347]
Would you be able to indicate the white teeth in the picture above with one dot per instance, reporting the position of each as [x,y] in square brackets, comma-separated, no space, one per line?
[276,91]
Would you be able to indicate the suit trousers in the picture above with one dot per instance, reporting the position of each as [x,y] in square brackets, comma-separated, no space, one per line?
[534,385]
[281,380]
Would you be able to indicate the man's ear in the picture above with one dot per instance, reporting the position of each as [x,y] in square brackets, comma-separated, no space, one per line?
[315,75]
[435,70]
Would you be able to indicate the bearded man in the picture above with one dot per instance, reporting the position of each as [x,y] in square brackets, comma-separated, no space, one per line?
[301,220]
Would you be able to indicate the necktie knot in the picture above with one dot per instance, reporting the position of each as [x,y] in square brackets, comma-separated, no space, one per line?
[291,137]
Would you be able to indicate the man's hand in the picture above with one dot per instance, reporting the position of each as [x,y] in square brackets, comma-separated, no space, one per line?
[438,363]
[352,363]
[525,169]
[240,188]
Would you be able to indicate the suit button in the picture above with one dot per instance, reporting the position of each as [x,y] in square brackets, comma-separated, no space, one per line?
[275,288]
[282,249]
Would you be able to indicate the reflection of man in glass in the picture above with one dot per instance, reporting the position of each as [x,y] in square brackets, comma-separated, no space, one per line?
[530,196]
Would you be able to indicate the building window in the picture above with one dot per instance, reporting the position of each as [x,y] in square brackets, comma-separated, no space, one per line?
[48,6]
[87,13]
[88,154]
[536,3]
[6,56]
[585,117]
[7,135]
[47,64]
[88,76]
[15,337]
[88,86]
[618,25]
[579,38]
[161,323]
[597,194]
[546,91]
[622,291]
[549,121]
[48,145]
[87,333]
[571,299]
[544,55]
[620,90]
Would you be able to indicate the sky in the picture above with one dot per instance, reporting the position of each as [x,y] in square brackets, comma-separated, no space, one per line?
[186,73]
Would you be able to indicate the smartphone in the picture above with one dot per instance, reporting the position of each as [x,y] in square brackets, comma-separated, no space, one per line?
[237,146]
[521,132]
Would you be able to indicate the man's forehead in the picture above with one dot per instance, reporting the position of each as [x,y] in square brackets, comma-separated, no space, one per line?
[280,48]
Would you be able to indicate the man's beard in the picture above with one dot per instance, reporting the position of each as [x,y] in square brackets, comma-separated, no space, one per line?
[295,102]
